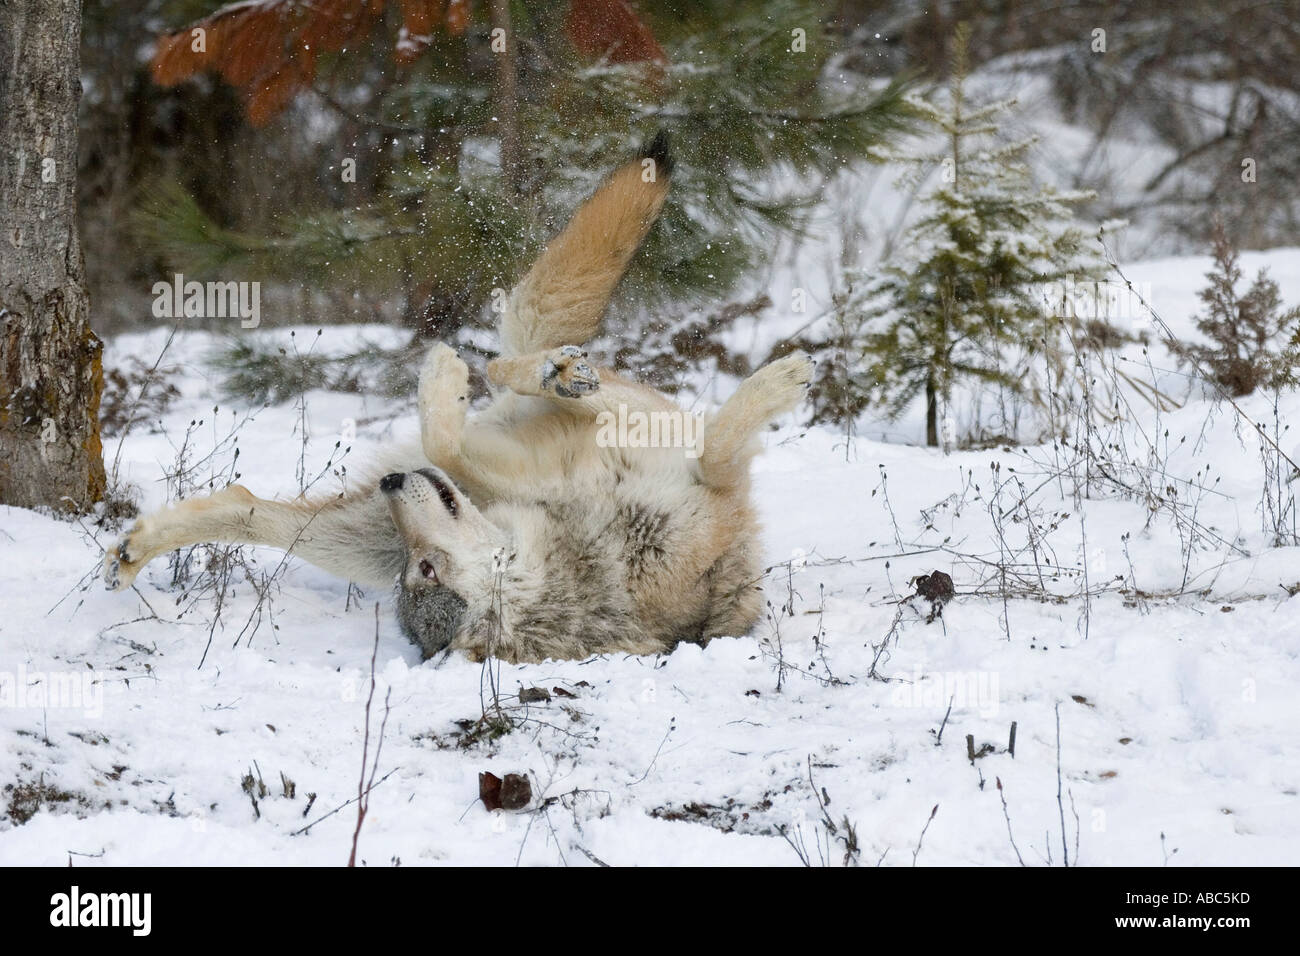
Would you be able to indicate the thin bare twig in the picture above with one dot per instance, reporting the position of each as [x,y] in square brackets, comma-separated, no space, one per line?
[921,838]
[364,788]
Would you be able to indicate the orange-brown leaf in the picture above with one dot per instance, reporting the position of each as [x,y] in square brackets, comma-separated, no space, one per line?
[267,49]
[175,60]
[457,18]
[332,26]
[273,93]
[489,790]
[418,17]
[611,29]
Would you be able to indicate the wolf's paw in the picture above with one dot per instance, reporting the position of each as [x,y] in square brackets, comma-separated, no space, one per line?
[567,374]
[123,561]
[793,371]
[444,375]
[779,386]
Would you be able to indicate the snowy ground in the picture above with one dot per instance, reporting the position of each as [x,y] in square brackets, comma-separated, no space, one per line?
[1177,714]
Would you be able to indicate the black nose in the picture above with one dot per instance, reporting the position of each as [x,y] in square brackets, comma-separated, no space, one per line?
[392,482]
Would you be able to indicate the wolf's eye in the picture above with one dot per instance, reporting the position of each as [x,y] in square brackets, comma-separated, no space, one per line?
[427,571]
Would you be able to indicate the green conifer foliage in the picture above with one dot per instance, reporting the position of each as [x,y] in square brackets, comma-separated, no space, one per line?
[758,114]
[966,288]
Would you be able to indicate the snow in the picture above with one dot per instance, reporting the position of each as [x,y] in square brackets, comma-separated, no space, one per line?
[1177,711]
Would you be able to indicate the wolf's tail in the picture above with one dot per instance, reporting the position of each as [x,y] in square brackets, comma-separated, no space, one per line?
[563,297]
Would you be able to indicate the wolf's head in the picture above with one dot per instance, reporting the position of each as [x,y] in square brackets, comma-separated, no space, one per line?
[447,582]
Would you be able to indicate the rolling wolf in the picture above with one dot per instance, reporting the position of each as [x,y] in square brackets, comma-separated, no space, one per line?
[517,532]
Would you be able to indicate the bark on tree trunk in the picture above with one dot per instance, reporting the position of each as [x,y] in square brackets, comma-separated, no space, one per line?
[51,372]
[931,412]
[507,95]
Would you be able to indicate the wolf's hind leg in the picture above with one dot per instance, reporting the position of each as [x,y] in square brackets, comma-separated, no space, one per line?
[735,598]
[352,537]
[729,442]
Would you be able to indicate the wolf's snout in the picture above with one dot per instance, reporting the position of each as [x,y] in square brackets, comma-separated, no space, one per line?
[393,482]
[444,491]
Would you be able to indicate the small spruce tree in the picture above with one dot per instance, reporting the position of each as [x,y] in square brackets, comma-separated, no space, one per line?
[968,288]
[1243,330]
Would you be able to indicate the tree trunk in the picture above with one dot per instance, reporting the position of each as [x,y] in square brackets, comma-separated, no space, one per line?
[51,372]
[931,412]
[507,94]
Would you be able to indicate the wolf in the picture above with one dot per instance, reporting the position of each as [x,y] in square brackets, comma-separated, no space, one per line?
[515,532]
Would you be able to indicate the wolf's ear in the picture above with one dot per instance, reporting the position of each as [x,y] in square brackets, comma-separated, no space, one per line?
[563,297]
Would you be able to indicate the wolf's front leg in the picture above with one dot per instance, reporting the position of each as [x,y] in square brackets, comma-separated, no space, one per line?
[222,516]
[443,401]
[351,536]
[555,373]
[573,385]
